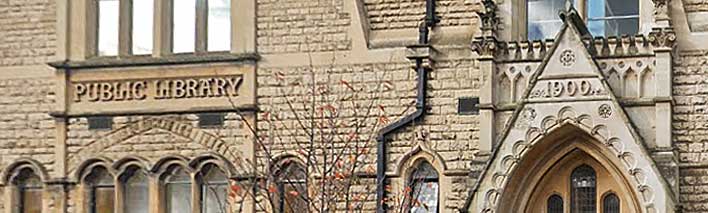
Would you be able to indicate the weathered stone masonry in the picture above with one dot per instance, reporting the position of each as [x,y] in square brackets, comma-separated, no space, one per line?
[290,33]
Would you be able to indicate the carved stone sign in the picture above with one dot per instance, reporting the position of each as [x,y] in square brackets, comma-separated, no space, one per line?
[566,88]
[136,90]
[158,90]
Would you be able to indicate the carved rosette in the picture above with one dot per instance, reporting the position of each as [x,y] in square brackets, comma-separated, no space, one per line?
[567,58]
[605,111]
[663,37]
[513,153]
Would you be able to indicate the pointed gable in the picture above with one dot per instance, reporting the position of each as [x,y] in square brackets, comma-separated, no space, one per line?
[569,56]
[568,91]
[569,71]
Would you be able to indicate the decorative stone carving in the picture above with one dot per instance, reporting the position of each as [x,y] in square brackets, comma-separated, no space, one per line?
[661,10]
[509,160]
[526,116]
[567,58]
[604,111]
[207,139]
[663,37]
[488,17]
[566,88]
[485,46]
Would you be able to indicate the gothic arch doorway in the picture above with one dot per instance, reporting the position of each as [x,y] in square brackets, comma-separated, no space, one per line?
[568,172]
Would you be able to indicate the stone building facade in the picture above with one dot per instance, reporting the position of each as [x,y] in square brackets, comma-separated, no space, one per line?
[578,121]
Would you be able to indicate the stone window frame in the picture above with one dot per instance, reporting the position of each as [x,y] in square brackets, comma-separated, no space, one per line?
[155,174]
[11,193]
[278,175]
[84,188]
[78,33]
[409,180]
[604,205]
[516,29]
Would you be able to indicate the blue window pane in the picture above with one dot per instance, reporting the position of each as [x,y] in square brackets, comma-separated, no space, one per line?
[543,20]
[613,17]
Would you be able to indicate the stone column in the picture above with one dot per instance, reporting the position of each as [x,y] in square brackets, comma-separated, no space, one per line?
[56,196]
[664,154]
[485,48]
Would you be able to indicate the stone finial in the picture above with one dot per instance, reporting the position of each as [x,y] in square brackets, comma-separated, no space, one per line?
[488,18]
[661,13]
[663,37]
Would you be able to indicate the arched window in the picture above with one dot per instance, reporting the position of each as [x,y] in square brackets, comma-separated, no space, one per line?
[101,191]
[178,191]
[424,188]
[583,186]
[135,191]
[29,192]
[214,187]
[611,204]
[555,204]
[291,188]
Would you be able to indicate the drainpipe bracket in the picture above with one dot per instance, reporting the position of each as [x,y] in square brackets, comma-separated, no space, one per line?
[424,52]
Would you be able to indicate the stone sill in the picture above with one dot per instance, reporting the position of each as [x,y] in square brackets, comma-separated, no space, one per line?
[147,60]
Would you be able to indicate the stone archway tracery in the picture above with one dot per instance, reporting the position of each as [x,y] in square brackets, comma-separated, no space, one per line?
[570,147]
[571,91]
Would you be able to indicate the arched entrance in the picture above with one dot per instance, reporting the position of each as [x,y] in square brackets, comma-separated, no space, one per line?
[568,172]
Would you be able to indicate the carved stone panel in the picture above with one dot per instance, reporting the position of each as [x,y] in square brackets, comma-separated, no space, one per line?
[158,89]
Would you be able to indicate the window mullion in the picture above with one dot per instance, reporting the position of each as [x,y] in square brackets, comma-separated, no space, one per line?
[196,194]
[125,27]
[162,28]
[201,26]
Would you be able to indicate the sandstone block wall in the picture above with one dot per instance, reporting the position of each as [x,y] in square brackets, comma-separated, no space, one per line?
[689,128]
[26,129]
[453,137]
[407,14]
[27,31]
[288,26]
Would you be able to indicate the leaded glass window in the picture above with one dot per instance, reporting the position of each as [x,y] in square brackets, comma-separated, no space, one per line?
[178,191]
[101,191]
[555,204]
[291,188]
[214,189]
[135,191]
[611,204]
[29,188]
[583,186]
[424,189]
